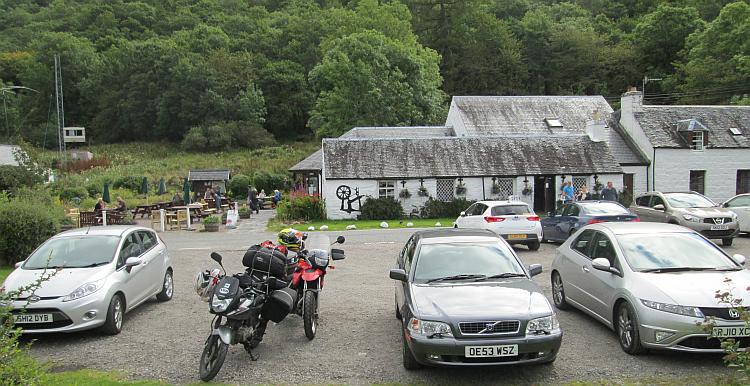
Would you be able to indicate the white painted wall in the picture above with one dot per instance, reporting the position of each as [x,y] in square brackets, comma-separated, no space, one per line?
[454,120]
[632,102]
[673,166]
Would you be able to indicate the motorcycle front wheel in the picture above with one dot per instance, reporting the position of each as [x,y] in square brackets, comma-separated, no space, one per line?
[212,358]
[310,314]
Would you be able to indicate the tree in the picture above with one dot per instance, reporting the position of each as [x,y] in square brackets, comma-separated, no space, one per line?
[661,35]
[368,79]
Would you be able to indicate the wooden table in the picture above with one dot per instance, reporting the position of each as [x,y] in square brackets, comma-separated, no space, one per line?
[197,207]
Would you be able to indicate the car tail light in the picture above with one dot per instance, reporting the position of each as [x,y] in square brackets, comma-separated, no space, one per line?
[595,221]
[493,219]
[637,219]
[533,218]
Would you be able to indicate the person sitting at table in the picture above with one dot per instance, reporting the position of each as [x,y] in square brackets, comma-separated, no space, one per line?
[177,199]
[121,207]
[100,206]
[208,194]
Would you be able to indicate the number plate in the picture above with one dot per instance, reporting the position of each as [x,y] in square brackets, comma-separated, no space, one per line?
[719,227]
[516,237]
[508,350]
[33,318]
[731,332]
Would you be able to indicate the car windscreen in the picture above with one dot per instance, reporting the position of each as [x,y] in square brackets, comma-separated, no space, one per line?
[449,259]
[688,200]
[509,210]
[672,250]
[603,208]
[73,252]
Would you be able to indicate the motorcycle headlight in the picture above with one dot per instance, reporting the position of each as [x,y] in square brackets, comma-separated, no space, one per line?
[429,328]
[84,290]
[674,308]
[691,218]
[544,325]
[219,305]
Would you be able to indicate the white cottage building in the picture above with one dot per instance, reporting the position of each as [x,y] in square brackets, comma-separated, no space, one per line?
[699,148]
[489,148]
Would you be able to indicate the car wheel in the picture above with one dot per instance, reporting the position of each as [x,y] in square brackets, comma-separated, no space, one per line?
[398,312]
[626,326]
[167,288]
[455,226]
[534,246]
[727,242]
[410,363]
[544,239]
[558,292]
[115,314]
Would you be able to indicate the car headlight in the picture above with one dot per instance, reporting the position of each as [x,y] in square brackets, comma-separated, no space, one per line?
[429,328]
[691,218]
[85,290]
[674,308]
[544,325]
[219,305]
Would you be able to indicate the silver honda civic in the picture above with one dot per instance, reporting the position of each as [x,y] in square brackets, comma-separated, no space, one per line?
[652,284]
[98,274]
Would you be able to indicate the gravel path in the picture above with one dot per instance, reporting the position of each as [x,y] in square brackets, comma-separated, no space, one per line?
[357,340]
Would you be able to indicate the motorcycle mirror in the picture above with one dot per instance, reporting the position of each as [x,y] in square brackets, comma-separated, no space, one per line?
[216,257]
[340,240]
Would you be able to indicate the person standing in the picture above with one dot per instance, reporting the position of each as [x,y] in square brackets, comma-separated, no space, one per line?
[569,191]
[583,194]
[252,199]
[609,193]
[276,198]
[217,199]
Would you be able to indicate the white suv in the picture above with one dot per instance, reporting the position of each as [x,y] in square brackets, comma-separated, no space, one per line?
[514,221]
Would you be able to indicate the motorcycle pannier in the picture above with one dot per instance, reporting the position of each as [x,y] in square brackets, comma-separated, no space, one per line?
[279,304]
[264,259]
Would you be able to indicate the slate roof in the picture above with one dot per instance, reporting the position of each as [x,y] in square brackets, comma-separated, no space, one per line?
[208,175]
[465,157]
[623,147]
[525,115]
[6,155]
[313,162]
[659,124]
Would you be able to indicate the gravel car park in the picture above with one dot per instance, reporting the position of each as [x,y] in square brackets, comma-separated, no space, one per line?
[359,344]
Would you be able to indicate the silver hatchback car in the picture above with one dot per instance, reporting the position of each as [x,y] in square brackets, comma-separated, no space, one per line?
[101,273]
[652,284]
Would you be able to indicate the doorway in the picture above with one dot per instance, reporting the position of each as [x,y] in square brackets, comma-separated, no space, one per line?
[544,194]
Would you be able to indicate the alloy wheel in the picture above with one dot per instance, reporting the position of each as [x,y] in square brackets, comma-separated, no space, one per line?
[168,285]
[118,313]
[557,290]
[625,323]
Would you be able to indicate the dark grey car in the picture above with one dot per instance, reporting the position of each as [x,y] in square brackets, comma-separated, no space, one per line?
[465,299]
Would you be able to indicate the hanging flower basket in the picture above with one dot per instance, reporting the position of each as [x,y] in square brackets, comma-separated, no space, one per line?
[495,188]
[598,186]
[404,193]
[422,192]
[460,189]
[527,191]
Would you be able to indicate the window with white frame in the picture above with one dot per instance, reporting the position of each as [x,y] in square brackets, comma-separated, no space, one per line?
[445,189]
[504,187]
[696,141]
[387,189]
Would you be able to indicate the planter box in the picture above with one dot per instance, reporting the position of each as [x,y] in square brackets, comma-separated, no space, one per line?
[244,215]
[211,227]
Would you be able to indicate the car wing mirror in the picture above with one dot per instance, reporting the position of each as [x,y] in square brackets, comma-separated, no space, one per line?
[659,207]
[20,263]
[740,259]
[132,262]
[398,274]
[535,269]
[463,214]
[602,264]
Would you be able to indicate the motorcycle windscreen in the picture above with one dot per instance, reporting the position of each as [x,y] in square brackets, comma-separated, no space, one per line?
[227,288]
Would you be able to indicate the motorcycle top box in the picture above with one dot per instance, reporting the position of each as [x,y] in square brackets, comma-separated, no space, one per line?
[279,304]
[269,260]
[224,294]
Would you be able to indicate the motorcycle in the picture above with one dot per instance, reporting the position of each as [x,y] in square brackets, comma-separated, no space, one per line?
[307,280]
[243,304]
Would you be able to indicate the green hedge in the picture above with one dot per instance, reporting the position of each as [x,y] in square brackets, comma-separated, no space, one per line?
[270,181]
[381,209]
[301,207]
[129,182]
[68,194]
[23,226]
[441,209]
[238,186]
[13,177]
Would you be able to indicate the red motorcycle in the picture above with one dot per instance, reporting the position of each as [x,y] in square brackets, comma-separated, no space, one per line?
[307,280]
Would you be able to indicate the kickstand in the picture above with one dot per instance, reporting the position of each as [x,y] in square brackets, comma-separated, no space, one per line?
[252,356]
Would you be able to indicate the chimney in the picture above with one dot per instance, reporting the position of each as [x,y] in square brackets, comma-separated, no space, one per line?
[596,128]
[632,101]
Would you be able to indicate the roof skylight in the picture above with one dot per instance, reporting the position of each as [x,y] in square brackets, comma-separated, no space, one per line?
[553,123]
[735,130]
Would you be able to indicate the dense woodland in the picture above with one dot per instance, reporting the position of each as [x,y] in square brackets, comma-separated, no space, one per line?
[217,74]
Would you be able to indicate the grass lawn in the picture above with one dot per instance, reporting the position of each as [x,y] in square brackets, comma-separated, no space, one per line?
[696,380]
[88,377]
[4,272]
[275,225]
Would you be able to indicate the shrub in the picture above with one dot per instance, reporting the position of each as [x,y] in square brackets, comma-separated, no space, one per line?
[251,136]
[128,182]
[381,209]
[227,135]
[24,225]
[300,206]
[219,137]
[626,198]
[270,181]
[440,209]
[94,190]
[69,194]
[238,186]
[194,140]
[13,177]
[212,219]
